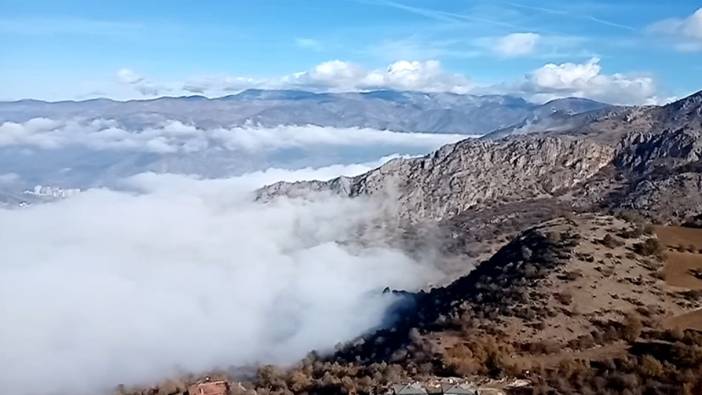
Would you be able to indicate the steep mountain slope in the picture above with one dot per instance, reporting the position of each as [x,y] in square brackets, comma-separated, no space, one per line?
[566,296]
[639,159]
[395,110]
[564,274]
[610,124]
[557,116]
[470,174]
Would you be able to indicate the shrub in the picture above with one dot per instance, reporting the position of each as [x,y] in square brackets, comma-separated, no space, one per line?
[649,247]
[611,241]
[651,367]
[573,275]
[632,327]
[564,297]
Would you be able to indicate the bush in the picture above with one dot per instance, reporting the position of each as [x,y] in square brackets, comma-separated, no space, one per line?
[649,247]
[611,241]
[632,327]
[564,297]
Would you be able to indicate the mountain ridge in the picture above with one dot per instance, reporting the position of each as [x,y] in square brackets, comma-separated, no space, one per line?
[407,111]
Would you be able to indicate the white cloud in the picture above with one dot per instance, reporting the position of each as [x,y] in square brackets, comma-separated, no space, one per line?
[176,137]
[587,80]
[550,81]
[183,275]
[686,32]
[331,74]
[426,76]
[178,183]
[128,76]
[566,76]
[517,44]
[338,75]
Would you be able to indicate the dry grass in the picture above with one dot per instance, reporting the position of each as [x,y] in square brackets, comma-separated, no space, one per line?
[674,236]
[682,259]
[679,264]
[691,320]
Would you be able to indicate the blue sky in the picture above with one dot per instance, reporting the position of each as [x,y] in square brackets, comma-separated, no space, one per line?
[628,52]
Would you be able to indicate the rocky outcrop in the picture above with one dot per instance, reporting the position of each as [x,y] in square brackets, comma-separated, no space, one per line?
[470,174]
[674,199]
[644,152]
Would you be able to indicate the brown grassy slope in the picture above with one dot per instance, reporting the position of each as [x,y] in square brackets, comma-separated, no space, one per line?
[674,236]
[683,269]
[556,286]
[576,302]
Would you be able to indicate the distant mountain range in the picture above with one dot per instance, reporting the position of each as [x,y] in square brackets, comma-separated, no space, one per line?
[385,109]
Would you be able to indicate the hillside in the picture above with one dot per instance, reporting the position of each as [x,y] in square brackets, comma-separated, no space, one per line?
[555,278]
[575,305]
[610,124]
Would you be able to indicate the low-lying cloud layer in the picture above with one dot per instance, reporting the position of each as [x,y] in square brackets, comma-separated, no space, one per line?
[175,136]
[175,274]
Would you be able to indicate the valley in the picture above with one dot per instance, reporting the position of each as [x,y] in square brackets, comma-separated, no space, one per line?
[353,197]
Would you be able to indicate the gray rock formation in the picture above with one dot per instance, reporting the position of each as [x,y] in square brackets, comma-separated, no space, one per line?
[470,174]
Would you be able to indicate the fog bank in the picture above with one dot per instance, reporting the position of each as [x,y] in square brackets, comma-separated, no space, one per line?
[169,274]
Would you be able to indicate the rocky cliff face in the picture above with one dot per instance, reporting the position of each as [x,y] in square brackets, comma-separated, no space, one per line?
[642,152]
[469,175]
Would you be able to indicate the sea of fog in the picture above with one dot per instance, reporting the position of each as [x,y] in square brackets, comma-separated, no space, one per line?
[159,262]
